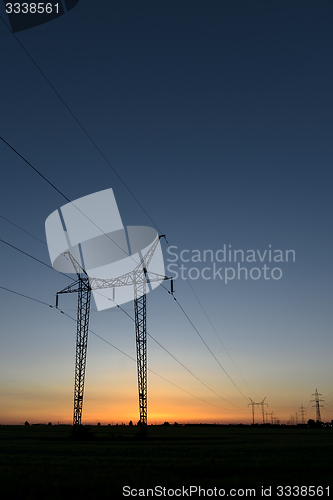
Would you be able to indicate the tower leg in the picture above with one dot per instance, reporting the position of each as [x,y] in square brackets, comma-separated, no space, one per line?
[83,310]
[141,350]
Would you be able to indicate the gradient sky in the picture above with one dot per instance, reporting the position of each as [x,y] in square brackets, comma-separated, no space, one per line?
[218,117]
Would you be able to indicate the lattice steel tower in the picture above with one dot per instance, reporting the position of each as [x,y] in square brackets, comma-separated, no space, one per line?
[141,347]
[262,404]
[317,405]
[83,308]
[302,412]
[271,414]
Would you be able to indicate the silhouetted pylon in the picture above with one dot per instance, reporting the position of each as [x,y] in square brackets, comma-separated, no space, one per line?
[302,413]
[262,404]
[317,405]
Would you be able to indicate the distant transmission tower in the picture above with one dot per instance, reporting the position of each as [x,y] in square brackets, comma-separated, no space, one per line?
[253,404]
[317,405]
[271,415]
[262,404]
[302,412]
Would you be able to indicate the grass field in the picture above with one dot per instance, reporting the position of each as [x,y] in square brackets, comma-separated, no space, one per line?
[46,462]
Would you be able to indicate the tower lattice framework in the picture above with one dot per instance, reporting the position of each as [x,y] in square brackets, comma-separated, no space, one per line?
[317,405]
[141,348]
[83,308]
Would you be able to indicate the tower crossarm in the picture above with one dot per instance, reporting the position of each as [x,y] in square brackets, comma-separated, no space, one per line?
[317,404]
[125,280]
[78,268]
[137,276]
[74,287]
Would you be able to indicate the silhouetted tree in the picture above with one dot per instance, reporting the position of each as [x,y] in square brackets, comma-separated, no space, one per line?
[311,423]
[130,423]
[166,423]
[175,424]
[26,422]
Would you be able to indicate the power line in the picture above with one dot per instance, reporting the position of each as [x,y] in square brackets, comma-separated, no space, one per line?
[200,336]
[43,242]
[62,194]
[123,182]
[35,169]
[114,170]
[35,237]
[149,369]
[26,296]
[80,124]
[50,267]
[47,265]
[109,343]
[209,349]
[188,281]
[179,362]
[34,258]
[21,228]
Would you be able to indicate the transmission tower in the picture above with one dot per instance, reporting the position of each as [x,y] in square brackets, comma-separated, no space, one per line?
[302,413]
[263,404]
[141,348]
[317,405]
[253,404]
[271,415]
[138,278]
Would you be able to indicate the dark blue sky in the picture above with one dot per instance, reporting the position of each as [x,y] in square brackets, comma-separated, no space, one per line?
[218,117]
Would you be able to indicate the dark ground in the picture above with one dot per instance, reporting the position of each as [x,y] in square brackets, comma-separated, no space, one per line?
[46,462]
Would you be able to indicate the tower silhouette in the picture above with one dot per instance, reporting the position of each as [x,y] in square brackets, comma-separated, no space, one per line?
[317,405]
